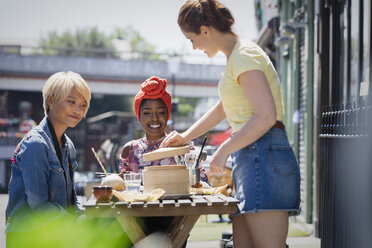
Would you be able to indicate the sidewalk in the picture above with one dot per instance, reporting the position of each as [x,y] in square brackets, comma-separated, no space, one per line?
[296,242]
[3,203]
[206,234]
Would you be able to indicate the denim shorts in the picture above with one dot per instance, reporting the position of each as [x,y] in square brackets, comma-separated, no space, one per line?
[266,175]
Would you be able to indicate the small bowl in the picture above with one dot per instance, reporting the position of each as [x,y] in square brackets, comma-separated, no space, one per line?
[102,193]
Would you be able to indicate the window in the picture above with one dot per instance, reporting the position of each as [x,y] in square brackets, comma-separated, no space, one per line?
[366,46]
[355,55]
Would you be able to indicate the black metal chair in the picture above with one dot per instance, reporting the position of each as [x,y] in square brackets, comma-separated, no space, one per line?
[226,240]
[230,244]
[226,237]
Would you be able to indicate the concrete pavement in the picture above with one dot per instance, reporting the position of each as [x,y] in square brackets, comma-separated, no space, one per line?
[3,203]
[296,242]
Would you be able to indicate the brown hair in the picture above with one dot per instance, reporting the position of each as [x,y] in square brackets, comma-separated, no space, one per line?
[211,13]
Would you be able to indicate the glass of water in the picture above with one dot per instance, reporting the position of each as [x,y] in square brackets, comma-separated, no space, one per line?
[132,182]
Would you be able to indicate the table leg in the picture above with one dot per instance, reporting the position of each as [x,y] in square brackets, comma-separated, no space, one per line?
[132,229]
[180,229]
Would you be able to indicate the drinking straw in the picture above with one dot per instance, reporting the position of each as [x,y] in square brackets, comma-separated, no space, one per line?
[200,153]
[99,161]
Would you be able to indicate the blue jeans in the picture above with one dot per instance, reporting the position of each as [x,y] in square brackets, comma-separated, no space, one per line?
[266,175]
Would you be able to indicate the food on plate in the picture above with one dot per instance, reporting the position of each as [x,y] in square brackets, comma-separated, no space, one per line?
[156,194]
[114,181]
[130,196]
[220,189]
[138,196]
[208,191]
[197,185]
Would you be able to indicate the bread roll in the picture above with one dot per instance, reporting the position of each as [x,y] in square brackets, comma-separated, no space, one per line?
[113,180]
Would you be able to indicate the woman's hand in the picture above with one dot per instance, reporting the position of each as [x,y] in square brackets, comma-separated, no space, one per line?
[122,172]
[174,138]
[218,162]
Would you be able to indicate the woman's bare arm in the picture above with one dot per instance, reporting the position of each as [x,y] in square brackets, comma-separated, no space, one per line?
[257,90]
[208,121]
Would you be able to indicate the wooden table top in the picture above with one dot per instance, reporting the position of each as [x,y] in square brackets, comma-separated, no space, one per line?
[195,205]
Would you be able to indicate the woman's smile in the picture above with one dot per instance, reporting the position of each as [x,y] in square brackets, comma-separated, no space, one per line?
[155,126]
[153,118]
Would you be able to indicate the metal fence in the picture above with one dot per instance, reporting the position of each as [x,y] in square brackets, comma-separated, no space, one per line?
[346,199]
[345,120]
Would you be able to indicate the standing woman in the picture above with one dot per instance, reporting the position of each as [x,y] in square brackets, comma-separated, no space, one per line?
[44,161]
[265,171]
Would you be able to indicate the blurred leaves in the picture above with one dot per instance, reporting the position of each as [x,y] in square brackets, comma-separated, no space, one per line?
[139,46]
[84,42]
[68,231]
[186,106]
[90,42]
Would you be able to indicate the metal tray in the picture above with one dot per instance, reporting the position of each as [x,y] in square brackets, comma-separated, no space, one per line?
[173,197]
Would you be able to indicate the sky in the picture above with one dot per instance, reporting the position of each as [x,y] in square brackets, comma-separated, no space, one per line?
[26,21]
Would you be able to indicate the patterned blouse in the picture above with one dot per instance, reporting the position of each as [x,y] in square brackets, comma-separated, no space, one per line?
[134,162]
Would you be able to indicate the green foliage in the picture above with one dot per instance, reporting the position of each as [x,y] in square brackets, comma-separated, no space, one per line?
[186,106]
[90,42]
[67,231]
[184,109]
[140,47]
[84,42]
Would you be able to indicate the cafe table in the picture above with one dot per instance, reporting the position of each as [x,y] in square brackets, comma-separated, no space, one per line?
[185,210]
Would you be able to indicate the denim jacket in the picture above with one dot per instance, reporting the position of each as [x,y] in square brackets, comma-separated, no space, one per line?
[38,181]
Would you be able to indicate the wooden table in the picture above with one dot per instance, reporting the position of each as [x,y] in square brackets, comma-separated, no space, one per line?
[186,212]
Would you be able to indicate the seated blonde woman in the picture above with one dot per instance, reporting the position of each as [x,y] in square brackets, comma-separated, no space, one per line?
[44,161]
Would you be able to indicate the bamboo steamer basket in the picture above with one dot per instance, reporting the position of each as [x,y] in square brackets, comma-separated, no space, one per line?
[174,179]
[166,152]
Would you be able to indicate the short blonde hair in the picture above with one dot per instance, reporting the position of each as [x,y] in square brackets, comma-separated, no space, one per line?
[59,86]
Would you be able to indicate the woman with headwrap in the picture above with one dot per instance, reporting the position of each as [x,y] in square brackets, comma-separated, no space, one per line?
[152,106]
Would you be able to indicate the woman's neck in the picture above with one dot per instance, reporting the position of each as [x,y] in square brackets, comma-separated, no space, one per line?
[153,138]
[227,43]
[58,129]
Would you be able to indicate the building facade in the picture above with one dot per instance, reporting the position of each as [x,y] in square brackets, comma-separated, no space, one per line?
[23,76]
[322,51]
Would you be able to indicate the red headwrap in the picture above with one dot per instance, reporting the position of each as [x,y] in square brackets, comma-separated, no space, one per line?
[153,88]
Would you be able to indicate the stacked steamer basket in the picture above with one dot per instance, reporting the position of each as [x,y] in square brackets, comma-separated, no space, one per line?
[174,179]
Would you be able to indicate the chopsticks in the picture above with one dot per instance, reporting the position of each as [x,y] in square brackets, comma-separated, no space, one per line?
[99,161]
[101,174]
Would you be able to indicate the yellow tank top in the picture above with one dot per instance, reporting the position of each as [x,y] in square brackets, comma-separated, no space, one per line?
[246,56]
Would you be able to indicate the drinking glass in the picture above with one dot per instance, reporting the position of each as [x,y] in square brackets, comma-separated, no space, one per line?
[132,182]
